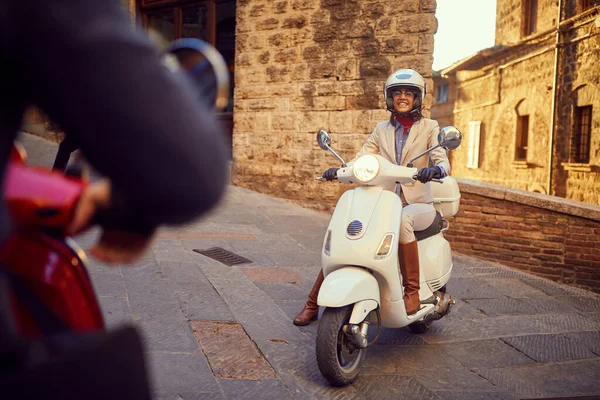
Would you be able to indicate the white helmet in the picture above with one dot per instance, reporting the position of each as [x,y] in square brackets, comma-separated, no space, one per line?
[405,77]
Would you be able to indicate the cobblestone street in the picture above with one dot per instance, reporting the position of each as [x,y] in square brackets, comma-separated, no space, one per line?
[214,331]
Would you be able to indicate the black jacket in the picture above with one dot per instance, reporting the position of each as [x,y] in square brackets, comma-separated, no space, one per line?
[85,65]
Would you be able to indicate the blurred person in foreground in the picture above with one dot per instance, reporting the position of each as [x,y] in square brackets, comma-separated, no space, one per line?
[161,150]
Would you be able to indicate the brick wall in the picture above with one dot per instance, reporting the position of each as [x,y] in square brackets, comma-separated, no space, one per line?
[307,65]
[544,235]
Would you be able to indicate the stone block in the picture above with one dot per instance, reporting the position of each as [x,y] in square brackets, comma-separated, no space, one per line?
[374,67]
[280,39]
[285,122]
[267,24]
[313,121]
[295,22]
[346,69]
[428,5]
[401,45]
[426,46]
[276,74]
[286,56]
[354,87]
[305,4]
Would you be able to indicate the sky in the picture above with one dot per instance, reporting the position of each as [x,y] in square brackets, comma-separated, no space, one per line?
[464,27]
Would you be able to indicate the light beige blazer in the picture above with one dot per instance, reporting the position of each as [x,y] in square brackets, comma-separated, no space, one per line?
[422,135]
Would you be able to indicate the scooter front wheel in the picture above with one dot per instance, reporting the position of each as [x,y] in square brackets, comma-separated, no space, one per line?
[338,359]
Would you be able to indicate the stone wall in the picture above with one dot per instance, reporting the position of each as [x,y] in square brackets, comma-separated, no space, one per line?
[544,235]
[509,19]
[307,65]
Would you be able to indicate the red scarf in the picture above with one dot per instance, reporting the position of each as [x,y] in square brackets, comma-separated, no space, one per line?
[406,122]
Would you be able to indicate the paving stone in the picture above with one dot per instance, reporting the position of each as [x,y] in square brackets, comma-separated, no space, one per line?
[115,310]
[181,374]
[591,340]
[464,395]
[272,275]
[495,271]
[463,311]
[173,255]
[293,260]
[313,243]
[151,297]
[393,387]
[548,348]
[255,390]
[261,318]
[203,305]
[451,330]
[283,291]
[108,284]
[430,366]
[514,288]
[167,333]
[567,380]
[502,306]
[472,288]
[492,353]
[586,304]
[146,269]
[552,288]
[189,396]
[395,337]
[230,352]
[239,218]
[547,305]
[268,243]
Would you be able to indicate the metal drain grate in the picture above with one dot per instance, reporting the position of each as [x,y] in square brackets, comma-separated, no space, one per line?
[223,256]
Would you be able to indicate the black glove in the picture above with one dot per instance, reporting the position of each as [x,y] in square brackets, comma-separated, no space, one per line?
[427,174]
[330,174]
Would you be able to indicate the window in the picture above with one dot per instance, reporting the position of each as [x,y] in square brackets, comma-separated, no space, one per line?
[529,17]
[442,93]
[580,139]
[522,138]
[474,138]
[583,5]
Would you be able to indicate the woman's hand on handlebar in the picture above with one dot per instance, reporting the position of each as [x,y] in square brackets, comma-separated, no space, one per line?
[428,174]
[114,246]
[330,174]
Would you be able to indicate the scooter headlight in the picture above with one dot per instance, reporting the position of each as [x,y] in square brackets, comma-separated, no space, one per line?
[366,168]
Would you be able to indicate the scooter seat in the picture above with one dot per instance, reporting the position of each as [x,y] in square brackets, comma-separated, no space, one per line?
[433,229]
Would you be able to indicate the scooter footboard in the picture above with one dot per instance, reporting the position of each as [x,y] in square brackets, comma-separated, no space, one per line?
[348,285]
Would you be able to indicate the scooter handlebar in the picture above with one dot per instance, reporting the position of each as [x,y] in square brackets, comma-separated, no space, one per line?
[433,180]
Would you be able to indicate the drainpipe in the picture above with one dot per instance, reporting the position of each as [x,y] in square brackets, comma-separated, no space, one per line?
[554,91]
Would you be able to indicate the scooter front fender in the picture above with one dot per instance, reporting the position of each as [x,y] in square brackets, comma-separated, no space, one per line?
[348,285]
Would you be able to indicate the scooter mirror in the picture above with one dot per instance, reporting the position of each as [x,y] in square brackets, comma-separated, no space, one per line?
[323,139]
[205,67]
[449,137]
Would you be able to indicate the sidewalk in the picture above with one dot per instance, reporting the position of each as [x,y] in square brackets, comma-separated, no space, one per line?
[214,331]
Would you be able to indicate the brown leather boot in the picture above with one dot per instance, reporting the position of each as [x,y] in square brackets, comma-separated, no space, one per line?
[409,266]
[310,311]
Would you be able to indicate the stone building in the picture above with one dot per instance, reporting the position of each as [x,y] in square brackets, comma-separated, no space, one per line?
[530,106]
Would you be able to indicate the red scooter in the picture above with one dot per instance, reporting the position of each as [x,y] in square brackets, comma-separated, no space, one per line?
[52,291]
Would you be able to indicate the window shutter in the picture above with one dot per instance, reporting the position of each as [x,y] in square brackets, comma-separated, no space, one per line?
[474,133]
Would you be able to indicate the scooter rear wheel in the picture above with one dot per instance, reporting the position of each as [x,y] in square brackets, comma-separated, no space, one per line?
[338,360]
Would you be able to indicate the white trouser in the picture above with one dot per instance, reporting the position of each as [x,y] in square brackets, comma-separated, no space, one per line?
[415,217]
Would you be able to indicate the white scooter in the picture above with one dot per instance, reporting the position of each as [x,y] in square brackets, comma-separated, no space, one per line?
[360,259]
